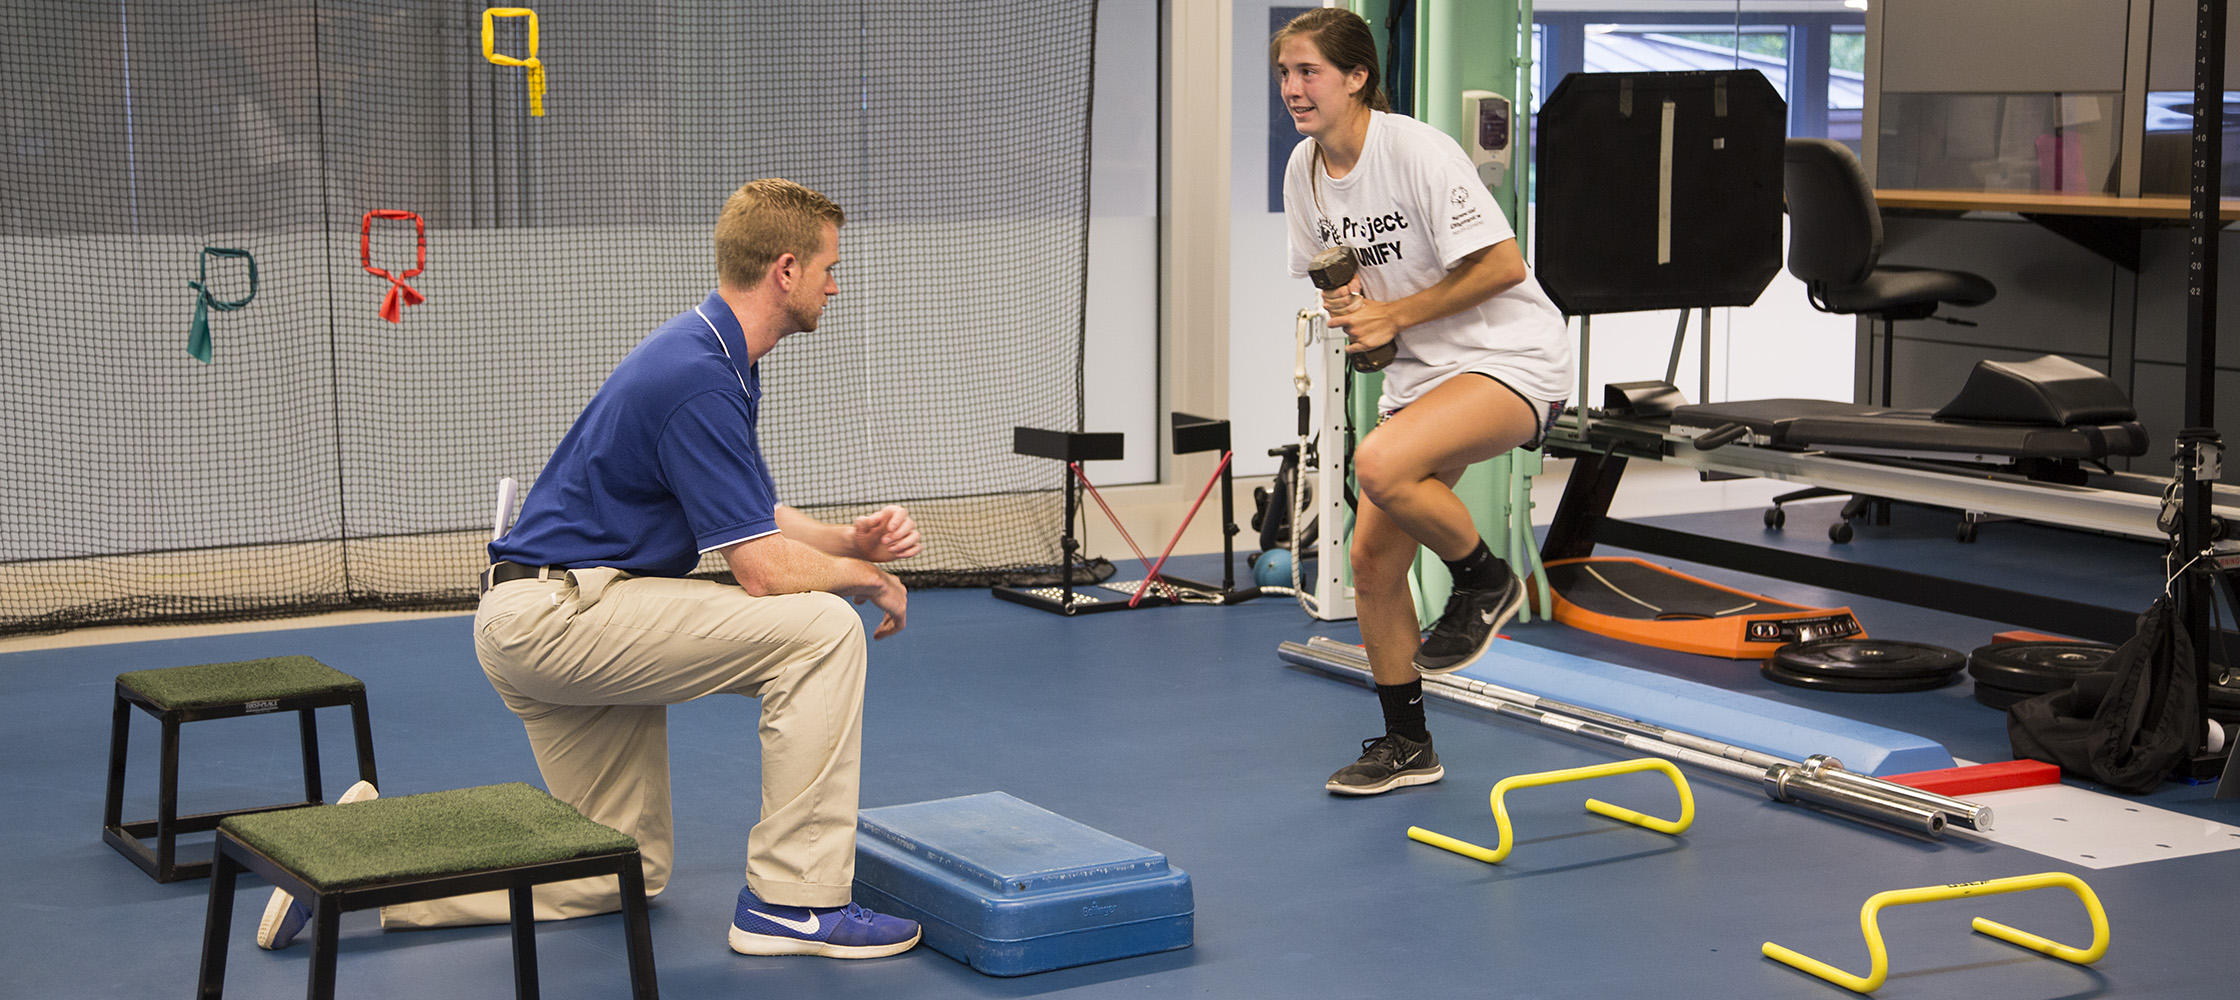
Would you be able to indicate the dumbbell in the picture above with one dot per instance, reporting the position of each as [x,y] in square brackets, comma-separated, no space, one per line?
[1331,270]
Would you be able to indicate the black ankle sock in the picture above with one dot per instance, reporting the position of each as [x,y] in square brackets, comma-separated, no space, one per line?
[1480,570]
[1403,710]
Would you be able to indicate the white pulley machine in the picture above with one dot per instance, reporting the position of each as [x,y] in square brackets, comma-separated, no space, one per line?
[1320,370]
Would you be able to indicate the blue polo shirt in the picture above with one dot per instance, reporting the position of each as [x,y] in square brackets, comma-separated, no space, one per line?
[662,465]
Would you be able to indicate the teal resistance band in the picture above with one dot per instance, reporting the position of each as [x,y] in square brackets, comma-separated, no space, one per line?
[198,335]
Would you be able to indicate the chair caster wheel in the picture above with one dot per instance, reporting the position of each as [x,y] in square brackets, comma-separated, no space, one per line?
[1839,532]
[1966,532]
[1776,517]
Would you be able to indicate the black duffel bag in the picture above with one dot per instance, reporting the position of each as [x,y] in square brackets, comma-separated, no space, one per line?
[2129,724]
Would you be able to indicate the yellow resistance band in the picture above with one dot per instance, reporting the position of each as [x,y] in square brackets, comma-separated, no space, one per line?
[535,66]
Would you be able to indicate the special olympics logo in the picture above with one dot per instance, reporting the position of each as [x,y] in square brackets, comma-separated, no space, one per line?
[1461,195]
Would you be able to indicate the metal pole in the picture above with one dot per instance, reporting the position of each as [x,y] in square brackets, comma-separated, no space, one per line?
[1820,767]
[1352,656]
[1787,784]
[1822,782]
[1066,543]
[1830,771]
[1228,530]
[2200,449]
[1586,353]
[1703,355]
[1679,340]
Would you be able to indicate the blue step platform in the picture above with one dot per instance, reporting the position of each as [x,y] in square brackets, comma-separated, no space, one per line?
[1010,888]
[1715,713]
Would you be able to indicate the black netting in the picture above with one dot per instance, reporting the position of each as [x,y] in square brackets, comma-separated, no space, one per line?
[329,458]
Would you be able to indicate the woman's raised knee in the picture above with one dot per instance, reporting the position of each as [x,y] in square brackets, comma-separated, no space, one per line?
[1381,473]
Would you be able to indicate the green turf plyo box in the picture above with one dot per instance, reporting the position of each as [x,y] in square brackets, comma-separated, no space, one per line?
[1010,888]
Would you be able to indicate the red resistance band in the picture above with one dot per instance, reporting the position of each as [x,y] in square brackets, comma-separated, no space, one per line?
[1151,569]
[400,294]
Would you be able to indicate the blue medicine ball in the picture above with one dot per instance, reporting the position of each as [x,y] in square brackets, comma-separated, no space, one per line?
[1273,568]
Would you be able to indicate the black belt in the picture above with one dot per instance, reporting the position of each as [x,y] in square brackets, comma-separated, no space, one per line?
[507,572]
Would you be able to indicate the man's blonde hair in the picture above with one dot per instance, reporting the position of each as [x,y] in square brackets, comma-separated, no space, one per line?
[765,220]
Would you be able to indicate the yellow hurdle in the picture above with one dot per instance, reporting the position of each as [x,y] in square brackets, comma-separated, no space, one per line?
[1597,806]
[528,60]
[1880,969]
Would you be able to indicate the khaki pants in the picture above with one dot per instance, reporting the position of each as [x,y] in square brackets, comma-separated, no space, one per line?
[590,664]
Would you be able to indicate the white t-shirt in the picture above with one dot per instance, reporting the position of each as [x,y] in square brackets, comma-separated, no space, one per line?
[1411,208]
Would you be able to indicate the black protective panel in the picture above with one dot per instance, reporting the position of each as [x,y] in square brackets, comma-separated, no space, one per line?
[1603,190]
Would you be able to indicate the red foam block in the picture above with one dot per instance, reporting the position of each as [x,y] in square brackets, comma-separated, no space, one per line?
[1977,778]
[2019,636]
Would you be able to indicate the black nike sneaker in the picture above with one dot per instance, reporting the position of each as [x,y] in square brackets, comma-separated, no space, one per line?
[1468,626]
[1386,763]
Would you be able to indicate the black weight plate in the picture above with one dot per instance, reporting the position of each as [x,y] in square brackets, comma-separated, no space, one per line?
[2223,706]
[1870,659]
[2036,666]
[2224,702]
[1853,684]
[1998,697]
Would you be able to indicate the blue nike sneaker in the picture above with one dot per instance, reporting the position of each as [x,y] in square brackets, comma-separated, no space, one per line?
[848,931]
[284,917]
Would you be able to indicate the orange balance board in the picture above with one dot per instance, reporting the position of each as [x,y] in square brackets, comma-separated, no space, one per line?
[1655,606]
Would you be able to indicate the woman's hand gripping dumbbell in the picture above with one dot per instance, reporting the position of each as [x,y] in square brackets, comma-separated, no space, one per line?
[1332,270]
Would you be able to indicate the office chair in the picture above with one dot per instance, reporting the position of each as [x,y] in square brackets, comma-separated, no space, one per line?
[1835,248]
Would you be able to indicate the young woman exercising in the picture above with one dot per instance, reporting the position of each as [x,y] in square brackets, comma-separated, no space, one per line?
[1483,363]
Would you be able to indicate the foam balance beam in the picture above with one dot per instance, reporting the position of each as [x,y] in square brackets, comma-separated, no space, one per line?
[1715,713]
[1010,888]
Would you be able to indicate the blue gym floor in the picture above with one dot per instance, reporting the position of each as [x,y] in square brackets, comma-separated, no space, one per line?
[1181,730]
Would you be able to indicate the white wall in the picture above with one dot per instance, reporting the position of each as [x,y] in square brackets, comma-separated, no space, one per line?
[1264,300]
[1778,347]
[1120,358]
